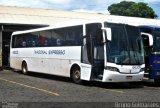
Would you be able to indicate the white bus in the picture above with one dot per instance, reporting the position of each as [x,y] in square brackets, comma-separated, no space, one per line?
[91,51]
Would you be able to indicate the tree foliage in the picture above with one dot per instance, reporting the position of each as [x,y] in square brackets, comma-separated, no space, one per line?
[133,9]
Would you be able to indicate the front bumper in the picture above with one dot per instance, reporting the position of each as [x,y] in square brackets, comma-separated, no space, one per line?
[110,76]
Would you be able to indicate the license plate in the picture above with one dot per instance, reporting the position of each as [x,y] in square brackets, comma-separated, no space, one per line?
[128,77]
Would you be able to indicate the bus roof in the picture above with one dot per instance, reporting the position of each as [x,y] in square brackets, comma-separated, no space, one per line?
[152,27]
[57,25]
[67,24]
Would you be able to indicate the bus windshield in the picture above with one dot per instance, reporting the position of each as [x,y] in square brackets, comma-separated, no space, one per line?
[126,47]
[156,40]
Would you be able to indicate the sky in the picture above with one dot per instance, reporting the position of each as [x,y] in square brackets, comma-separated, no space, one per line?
[91,6]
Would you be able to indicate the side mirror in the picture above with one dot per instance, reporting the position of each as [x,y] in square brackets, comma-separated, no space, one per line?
[107,33]
[148,41]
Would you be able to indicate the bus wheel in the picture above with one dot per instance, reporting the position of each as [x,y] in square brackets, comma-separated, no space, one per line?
[76,75]
[157,81]
[24,68]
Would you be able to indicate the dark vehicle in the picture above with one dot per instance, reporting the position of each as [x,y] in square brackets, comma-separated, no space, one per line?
[152,53]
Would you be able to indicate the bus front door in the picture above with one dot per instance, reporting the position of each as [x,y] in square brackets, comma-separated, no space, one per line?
[92,59]
[86,60]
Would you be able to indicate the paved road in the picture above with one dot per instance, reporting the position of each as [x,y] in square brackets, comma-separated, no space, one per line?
[16,87]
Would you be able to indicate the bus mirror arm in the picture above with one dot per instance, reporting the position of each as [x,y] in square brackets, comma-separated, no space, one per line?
[107,33]
[150,38]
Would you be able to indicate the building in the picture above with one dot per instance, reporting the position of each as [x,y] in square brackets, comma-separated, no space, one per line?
[16,19]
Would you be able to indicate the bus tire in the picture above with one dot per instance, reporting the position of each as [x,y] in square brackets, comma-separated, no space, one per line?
[76,75]
[24,68]
[157,81]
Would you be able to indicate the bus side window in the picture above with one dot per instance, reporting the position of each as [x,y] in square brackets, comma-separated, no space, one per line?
[58,43]
[70,36]
[48,38]
[57,38]
[36,41]
[24,43]
[53,38]
[79,38]
[33,43]
[45,36]
[72,39]
[67,39]
[42,41]
[74,35]
[20,41]
[54,42]
[29,41]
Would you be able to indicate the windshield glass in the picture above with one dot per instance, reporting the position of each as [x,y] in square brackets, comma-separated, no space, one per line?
[126,46]
[156,41]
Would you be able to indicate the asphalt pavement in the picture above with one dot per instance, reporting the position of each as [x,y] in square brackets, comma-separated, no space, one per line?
[18,90]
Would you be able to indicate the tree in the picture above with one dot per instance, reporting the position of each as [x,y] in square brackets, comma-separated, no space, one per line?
[133,9]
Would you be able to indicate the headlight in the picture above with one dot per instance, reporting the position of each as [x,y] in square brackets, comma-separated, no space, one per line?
[112,68]
[142,69]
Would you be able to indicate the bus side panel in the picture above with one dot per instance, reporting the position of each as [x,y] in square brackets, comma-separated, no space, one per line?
[50,60]
[36,65]
[60,64]
[154,66]
[85,71]
[15,59]
[15,63]
[59,67]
